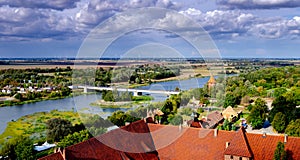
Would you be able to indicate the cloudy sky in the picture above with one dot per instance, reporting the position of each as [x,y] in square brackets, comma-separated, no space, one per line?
[239,28]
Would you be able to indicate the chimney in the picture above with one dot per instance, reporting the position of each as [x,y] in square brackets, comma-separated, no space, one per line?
[64,154]
[215,132]
[227,144]
[180,127]
[264,135]
[285,138]
[148,114]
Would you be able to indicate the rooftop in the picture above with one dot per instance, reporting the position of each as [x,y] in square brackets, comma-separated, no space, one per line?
[156,141]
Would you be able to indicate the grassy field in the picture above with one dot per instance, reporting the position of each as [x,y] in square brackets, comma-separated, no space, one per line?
[35,124]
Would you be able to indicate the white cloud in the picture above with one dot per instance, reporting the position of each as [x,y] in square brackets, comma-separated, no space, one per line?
[235,23]
[26,21]
[47,4]
[97,11]
[259,4]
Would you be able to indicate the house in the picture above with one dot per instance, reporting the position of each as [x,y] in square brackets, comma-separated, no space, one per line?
[195,123]
[229,113]
[193,102]
[212,120]
[8,91]
[140,140]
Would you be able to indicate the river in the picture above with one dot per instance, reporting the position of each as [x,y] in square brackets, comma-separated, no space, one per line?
[81,103]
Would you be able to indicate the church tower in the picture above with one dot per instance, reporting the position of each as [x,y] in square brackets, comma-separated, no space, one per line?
[211,82]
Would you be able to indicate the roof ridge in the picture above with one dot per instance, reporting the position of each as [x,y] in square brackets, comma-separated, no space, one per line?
[239,145]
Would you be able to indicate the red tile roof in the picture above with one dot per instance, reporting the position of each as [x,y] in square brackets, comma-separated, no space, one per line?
[264,147]
[189,143]
[172,142]
[196,124]
[213,119]
[54,156]
[239,145]
[199,143]
[117,144]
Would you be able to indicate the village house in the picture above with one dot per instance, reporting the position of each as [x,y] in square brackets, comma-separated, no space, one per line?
[210,122]
[230,114]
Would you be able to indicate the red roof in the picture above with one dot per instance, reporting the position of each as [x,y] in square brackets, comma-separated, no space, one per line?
[54,156]
[165,142]
[213,119]
[189,143]
[211,79]
[196,124]
[117,144]
[239,145]
[200,143]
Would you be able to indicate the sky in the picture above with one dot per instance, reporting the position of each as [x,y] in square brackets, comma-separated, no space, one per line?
[62,28]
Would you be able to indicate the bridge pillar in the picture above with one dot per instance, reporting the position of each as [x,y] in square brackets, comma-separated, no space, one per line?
[85,90]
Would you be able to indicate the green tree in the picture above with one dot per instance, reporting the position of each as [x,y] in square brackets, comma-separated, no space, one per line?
[168,108]
[57,129]
[279,91]
[8,148]
[108,96]
[25,149]
[18,96]
[200,110]
[288,108]
[186,111]
[96,121]
[280,153]
[176,120]
[293,129]
[258,113]
[231,100]
[74,138]
[279,122]
[119,118]
[97,131]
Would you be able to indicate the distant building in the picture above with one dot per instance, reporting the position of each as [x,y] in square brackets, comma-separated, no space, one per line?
[229,113]
[148,141]
[211,82]
[212,120]
[44,146]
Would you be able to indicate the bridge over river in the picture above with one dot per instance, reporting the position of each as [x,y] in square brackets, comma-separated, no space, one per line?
[135,92]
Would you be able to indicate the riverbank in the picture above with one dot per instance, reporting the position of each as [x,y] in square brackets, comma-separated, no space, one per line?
[17,102]
[122,104]
[35,124]
[184,75]
[104,104]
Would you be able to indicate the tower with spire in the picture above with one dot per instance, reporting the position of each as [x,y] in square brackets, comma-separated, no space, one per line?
[211,82]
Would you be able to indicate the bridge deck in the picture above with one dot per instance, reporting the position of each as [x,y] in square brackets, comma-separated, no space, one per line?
[129,90]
